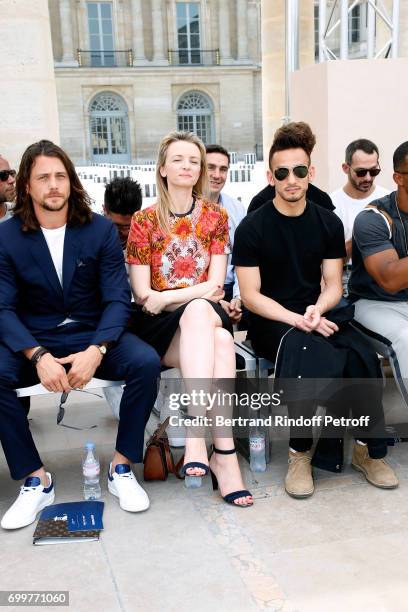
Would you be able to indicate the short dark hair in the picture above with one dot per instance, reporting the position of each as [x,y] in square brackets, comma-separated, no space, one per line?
[216,148]
[362,144]
[123,196]
[79,202]
[294,135]
[399,156]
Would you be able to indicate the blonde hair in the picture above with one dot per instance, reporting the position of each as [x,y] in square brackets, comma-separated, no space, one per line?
[200,189]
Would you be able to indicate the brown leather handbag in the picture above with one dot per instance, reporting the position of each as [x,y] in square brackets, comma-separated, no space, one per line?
[158,460]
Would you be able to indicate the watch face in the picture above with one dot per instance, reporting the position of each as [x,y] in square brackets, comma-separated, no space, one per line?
[103,349]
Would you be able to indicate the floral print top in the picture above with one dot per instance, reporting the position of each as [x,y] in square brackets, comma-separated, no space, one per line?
[179,259]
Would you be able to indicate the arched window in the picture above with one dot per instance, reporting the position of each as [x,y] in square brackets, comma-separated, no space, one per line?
[109,127]
[195,114]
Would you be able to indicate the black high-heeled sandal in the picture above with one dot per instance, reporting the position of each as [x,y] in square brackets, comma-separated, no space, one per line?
[230,497]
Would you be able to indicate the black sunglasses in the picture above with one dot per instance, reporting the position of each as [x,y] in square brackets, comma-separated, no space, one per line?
[61,408]
[4,174]
[282,173]
[361,172]
[61,411]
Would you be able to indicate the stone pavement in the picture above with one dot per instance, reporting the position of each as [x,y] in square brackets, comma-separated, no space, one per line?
[343,549]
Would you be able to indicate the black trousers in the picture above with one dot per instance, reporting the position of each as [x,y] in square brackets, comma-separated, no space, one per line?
[130,359]
[360,397]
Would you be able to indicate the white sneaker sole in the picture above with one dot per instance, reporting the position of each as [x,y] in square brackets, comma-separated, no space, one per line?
[112,490]
[31,519]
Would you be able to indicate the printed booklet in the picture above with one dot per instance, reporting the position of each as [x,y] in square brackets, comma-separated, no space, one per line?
[69,522]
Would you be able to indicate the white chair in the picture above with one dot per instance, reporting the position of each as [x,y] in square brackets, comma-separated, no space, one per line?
[94,383]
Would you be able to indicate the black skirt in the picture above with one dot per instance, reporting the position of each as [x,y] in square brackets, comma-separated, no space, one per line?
[158,331]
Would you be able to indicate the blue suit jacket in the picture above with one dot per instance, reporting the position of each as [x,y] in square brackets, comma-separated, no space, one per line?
[95,287]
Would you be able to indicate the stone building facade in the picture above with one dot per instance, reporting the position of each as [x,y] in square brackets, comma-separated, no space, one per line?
[129,71]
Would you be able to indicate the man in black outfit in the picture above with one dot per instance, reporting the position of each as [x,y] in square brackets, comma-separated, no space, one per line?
[281,251]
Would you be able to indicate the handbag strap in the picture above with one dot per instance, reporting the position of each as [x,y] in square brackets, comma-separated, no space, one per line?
[160,431]
[173,469]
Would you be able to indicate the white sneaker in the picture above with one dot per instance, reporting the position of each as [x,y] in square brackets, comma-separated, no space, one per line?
[123,484]
[33,498]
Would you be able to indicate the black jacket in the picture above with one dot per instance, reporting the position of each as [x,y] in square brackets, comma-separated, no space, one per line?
[330,372]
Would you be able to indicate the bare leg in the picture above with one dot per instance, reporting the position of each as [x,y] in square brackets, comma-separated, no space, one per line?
[226,467]
[192,350]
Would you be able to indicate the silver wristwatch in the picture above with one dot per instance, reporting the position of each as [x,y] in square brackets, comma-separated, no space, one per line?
[101,348]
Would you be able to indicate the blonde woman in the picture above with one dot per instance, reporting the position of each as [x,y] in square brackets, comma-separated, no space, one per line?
[177,251]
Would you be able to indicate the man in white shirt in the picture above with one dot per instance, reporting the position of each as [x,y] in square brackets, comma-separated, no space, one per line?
[7,188]
[64,308]
[361,166]
[218,161]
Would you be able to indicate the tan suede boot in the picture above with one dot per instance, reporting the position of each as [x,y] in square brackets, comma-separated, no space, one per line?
[376,471]
[299,481]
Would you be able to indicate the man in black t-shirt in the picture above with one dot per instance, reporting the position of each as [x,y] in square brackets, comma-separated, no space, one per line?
[281,251]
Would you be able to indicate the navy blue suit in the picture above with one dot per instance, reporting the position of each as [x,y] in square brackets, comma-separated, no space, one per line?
[95,294]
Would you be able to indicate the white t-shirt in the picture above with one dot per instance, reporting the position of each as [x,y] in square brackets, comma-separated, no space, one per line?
[55,241]
[348,208]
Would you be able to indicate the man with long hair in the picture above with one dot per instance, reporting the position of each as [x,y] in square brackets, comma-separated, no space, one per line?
[64,305]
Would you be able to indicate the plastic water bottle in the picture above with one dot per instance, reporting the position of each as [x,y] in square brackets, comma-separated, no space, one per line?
[91,470]
[257,449]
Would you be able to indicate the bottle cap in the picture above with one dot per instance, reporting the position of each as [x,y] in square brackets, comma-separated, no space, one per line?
[89,445]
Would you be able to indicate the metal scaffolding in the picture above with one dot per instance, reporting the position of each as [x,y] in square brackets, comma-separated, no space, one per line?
[292,48]
[337,23]
[333,25]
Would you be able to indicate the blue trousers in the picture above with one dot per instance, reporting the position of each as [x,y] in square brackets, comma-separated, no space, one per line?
[130,359]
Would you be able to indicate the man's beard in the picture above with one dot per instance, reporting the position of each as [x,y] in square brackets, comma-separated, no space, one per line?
[360,187]
[9,195]
[49,208]
[364,187]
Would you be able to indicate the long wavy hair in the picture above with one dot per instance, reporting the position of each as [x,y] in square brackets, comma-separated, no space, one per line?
[200,189]
[79,202]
